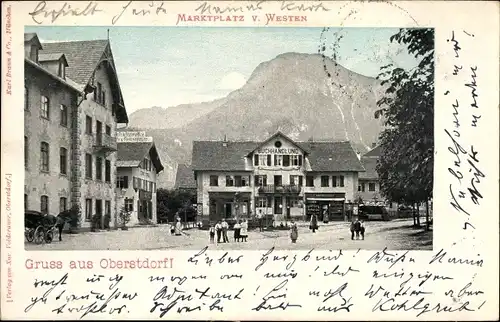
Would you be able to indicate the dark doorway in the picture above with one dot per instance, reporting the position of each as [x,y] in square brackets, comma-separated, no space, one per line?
[278,201]
[278,180]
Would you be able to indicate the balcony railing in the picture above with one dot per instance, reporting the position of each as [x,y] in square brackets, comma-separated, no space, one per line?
[280,189]
[105,143]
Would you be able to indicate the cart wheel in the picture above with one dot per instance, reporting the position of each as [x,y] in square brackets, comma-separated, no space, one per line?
[49,236]
[30,235]
[39,235]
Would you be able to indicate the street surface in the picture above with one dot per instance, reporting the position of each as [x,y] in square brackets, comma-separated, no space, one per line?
[395,235]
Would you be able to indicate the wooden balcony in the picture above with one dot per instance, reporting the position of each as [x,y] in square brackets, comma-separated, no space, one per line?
[104,143]
[280,189]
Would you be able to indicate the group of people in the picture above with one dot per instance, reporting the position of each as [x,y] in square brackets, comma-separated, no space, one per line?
[221,227]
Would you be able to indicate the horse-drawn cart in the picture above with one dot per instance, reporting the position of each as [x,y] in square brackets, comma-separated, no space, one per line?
[38,227]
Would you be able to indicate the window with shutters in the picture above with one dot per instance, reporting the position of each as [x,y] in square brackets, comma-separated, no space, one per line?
[88,166]
[310,181]
[296,160]
[286,160]
[278,160]
[263,160]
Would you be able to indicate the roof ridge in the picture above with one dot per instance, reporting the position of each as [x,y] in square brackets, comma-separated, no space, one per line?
[71,41]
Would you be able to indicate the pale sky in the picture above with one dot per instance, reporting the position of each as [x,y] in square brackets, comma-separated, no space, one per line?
[168,66]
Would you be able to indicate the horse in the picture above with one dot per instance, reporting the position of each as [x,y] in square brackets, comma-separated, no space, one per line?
[58,221]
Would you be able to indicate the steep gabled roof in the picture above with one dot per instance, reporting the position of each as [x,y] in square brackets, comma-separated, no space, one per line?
[131,154]
[53,57]
[232,156]
[82,56]
[276,135]
[375,152]
[219,155]
[370,165]
[184,179]
[332,156]
[32,37]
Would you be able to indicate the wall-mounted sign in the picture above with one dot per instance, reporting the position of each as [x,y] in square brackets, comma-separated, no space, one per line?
[278,151]
[133,136]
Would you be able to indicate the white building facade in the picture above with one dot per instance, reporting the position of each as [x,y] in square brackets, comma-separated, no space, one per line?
[278,178]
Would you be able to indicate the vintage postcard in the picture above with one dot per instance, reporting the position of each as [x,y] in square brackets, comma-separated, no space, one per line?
[250,160]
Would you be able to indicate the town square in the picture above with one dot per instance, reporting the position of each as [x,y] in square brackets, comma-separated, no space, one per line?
[294,148]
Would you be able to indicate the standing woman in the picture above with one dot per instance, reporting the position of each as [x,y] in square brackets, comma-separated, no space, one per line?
[313,225]
[178,228]
[294,232]
[244,230]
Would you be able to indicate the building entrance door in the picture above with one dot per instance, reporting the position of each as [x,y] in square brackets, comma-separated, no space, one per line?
[227,210]
[278,205]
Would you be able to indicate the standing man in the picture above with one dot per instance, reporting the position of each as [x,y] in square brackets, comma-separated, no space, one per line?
[260,219]
[225,228]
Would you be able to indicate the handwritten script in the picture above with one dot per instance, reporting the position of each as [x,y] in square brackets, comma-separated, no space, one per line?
[214,282]
[465,189]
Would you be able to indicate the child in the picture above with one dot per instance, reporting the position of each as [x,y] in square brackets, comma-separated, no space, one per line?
[172,229]
[211,231]
[362,229]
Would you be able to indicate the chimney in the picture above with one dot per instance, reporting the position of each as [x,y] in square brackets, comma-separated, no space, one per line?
[224,142]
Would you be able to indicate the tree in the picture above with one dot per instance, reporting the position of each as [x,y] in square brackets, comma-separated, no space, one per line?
[169,202]
[406,163]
